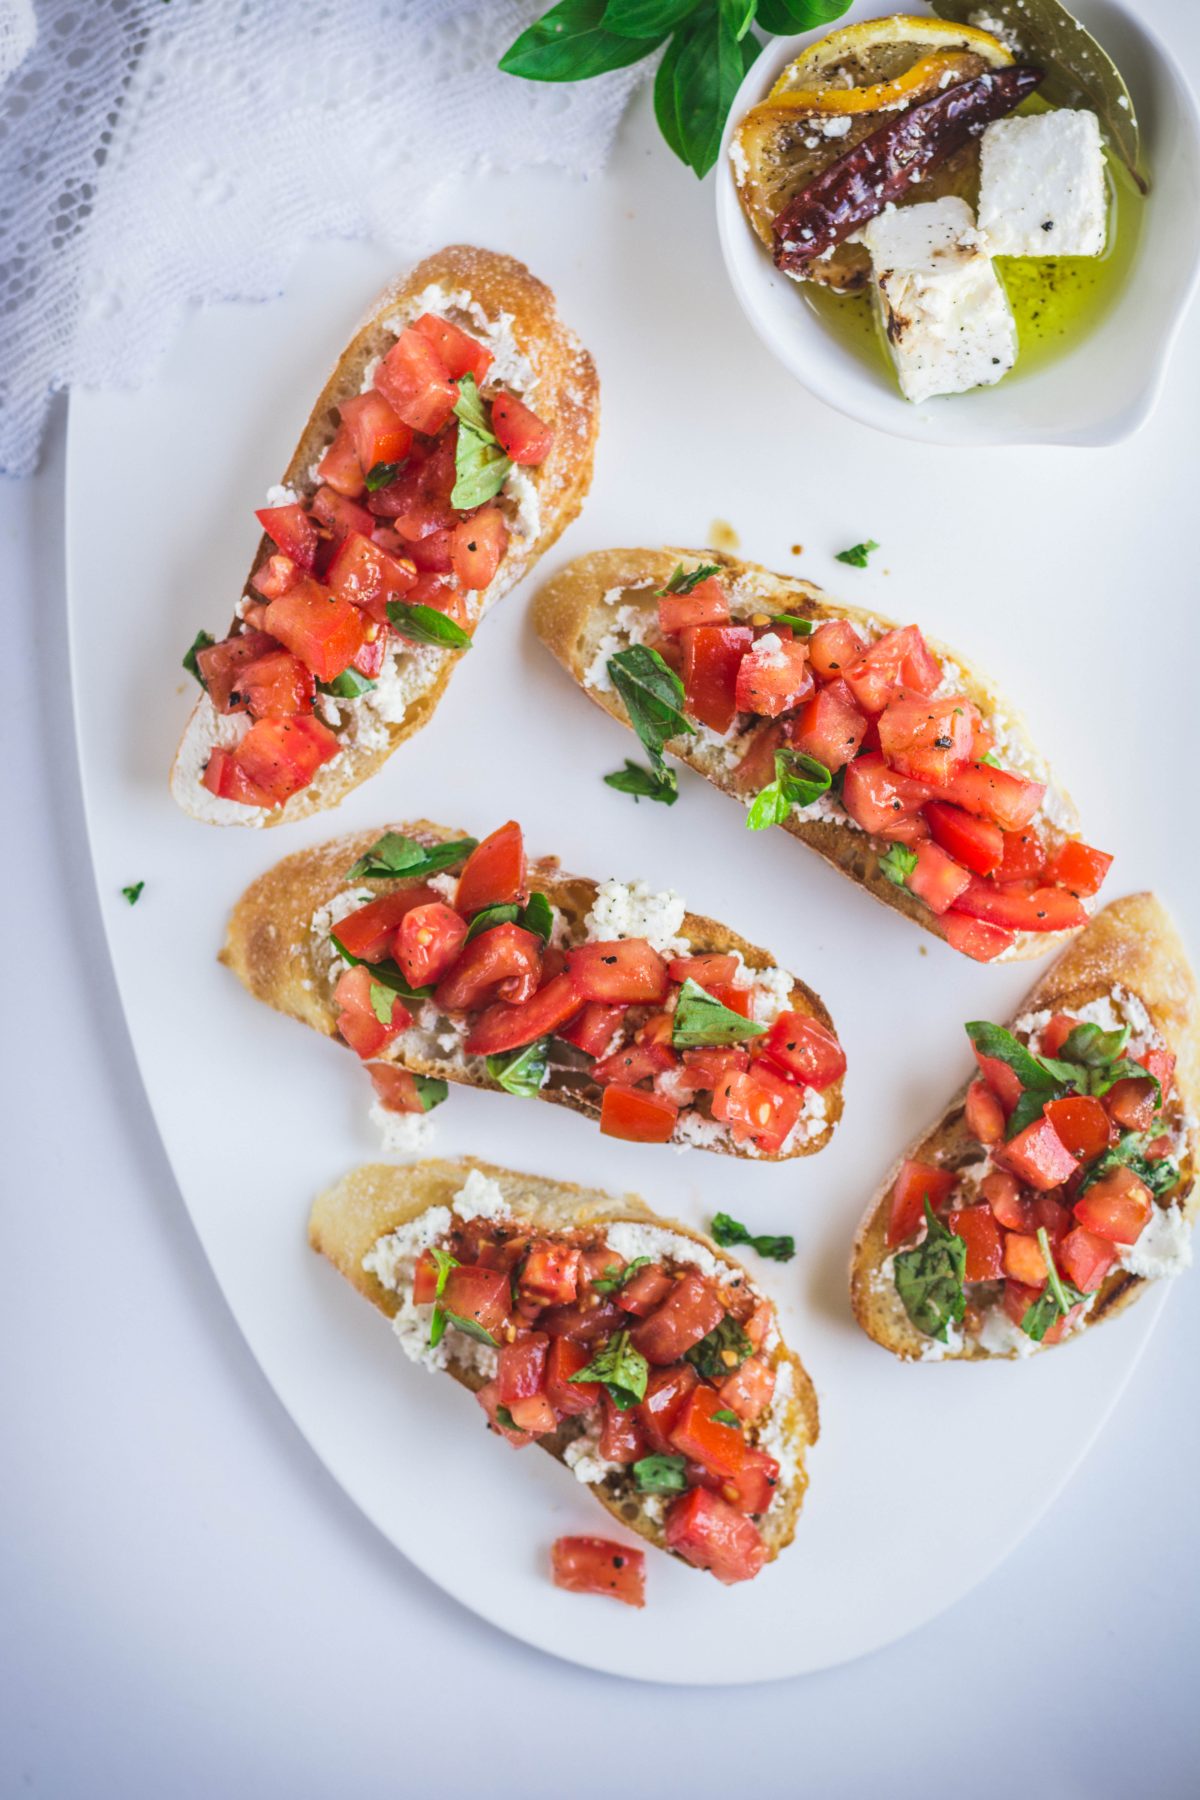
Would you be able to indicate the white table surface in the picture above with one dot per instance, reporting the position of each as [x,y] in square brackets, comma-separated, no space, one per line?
[190,1606]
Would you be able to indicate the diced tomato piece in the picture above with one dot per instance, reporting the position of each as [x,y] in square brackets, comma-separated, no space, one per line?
[666,1391]
[1131,1103]
[748,1391]
[566,1358]
[637,1116]
[1038,1156]
[523,436]
[975,843]
[899,659]
[1086,1258]
[1082,1124]
[425,1274]
[1077,867]
[494,873]
[1024,854]
[984,1114]
[827,729]
[733,998]
[1003,1194]
[506,1027]
[805,1050]
[1117,1207]
[276,686]
[379,434]
[646,1291]
[324,632]
[593,1031]
[1018,1299]
[707,604]
[759,1106]
[916,1183]
[281,756]
[488,1397]
[927,739]
[704,1068]
[414,381]
[622,1439]
[505,953]
[550,1276]
[937,879]
[275,576]
[884,802]
[432,554]
[338,516]
[707,969]
[977,1227]
[773,676]
[357,1020]
[1050,1214]
[748,1476]
[418,501]
[591,1565]
[459,353]
[710,1534]
[535,1415]
[292,531]
[712,655]
[759,1323]
[974,938]
[833,647]
[477,545]
[1046,909]
[1056,1031]
[1008,800]
[340,468]
[1160,1064]
[478,1294]
[365,574]
[521,1367]
[222,664]
[1003,1081]
[396,1090]
[428,942]
[691,1310]
[1023,1260]
[633,1063]
[627,970]
[369,933]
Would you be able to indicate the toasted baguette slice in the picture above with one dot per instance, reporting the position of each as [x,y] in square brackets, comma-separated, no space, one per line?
[1132,954]
[538,358]
[599,603]
[274,951]
[369,1203]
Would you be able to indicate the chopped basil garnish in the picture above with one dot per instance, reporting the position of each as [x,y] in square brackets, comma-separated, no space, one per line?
[727,1231]
[201,641]
[621,1369]
[443,1262]
[644,784]
[929,1278]
[801,627]
[799,780]
[653,697]
[1159,1175]
[426,625]
[133,892]
[480,465]
[1089,1063]
[505,1418]
[506,912]
[393,855]
[726,1417]
[521,1072]
[537,915]
[681,583]
[615,1278]
[660,1475]
[380,474]
[431,1091]
[857,554]
[699,1019]
[471,1327]
[383,1002]
[724,1349]
[347,686]
[1055,1300]
[898,863]
[993,762]
[386,974]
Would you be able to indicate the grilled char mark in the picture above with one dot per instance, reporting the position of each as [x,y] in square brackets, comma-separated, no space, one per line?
[880,169]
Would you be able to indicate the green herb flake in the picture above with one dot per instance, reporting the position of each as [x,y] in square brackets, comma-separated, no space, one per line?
[426,625]
[1056,1299]
[615,1278]
[898,863]
[133,892]
[537,915]
[470,1327]
[522,1072]
[431,1091]
[349,685]
[801,627]
[725,1417]
[727,1231]
[1161,1175]
[857,554]
[201,641]
[929,1279]
[393,856]
[698,1020]
[684,583]
[724,1349]
[660,1475]
[644,784]
[480,465]
[621,1369]
[799,780]
[505,912]
[380,474]
[383,1002]
[653,697]
[505,1418]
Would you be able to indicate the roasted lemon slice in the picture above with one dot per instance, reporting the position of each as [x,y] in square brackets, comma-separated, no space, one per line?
[879,50]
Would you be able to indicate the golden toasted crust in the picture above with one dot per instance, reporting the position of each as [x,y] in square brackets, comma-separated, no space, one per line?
[571,618]
[568,398]
[270,948]
[1131,944]
[368,1203]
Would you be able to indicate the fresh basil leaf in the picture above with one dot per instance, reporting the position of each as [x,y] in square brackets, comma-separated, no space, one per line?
[469,409]
[505,913]
[615,1278]
[898,863]
[431,1091]
[480,465]
[653,697]
[521,1072]
[201,641]
[929,1278]
[383,1002]
[394,855]
[133,892]
[1030,1070]
[505,1418]
[471,1327]
[644,784]
[699,1019]
[571,43]
[727,1231]
[1160,1174]
[724,1349]
[645,18]
[993,762]
[621,1368]
[346,686]
[666,111]
[380,475]
[726,1417]
[660,1475]
[799,780]
[801,627]
[1029,1109]
[786,17]
[443,1262]
[537,915]
[386,974]
[1089,1045]
[1124,1069]
[857,554]
[426,625]
[708,73]
[683,582]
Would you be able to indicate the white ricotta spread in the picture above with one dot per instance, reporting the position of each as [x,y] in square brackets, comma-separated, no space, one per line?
[480,1197]
[582,1455]
[773,1435]
[1164,1247]
[632,910]
[937,1349]
[771,994]
[628,1240]
[999,1336]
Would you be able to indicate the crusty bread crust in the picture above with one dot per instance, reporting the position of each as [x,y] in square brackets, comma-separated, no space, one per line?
[571,619]
[568,398]
[269,946]
[1133,944]
[368,1203]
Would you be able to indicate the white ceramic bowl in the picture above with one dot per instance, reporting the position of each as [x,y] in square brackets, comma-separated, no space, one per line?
[1101,391]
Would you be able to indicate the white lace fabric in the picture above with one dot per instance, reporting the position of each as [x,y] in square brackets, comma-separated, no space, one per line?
[162,153]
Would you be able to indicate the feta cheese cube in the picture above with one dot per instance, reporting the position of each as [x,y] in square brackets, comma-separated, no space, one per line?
[948,322]
[1041,185]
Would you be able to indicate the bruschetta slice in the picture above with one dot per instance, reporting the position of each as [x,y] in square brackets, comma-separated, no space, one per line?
[873,745]
[450,447]
[640,1355]
[439,959]
[1062,1178]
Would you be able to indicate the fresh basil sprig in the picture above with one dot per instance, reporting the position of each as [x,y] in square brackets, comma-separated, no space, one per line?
[1088,1063]
[1055,1300]
[615,1278]
[201,641]
[799,780]
[898,863]
[857,555]
[426,625]
[699,1019]
[727,1231]
[621,1369]
[724,1349]
[929,1278]
[644,784]
[653,697]
[537,915]
[521,1072]
[395,855]
[660,1475]
[480,465]
[683,581]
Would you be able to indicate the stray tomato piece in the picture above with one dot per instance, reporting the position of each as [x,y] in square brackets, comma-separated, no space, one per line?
[748,1391]
[1117,1207]
[494,873]
[505,953]
[773,676]
[1002,1193]
[916,1182]
[414,381]
[883,802]
[937,879]
[637,1116]
[428,942]
[710,1534]
[591,1565]
[712,655]
[627,970]
[1023,1260]
[1045,909]
[340,468]
[523,436]
[758,1105]
[977,1227]
[1086,1258]
[477,544]
[828,729]
[550,1276]
[975,843]
[1077,867]
[324,632]
[805,1050]
[984,1114]
[975,938]
[1082,1124]
[833,647]
[1131,1103]
[458,352]
[396,1091]
[1038,1156]
[292,531]
[707,604]
[359,1023]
